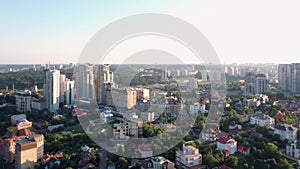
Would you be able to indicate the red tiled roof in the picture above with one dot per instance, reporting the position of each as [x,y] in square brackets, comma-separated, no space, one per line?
[225,140]
[224,167]
[255,134]
[243,149]
[227,152]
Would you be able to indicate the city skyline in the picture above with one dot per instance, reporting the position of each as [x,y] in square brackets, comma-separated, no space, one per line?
[46,31]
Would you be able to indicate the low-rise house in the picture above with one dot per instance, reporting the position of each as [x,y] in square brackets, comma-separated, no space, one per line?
[157,163]
[49,160]
[244,150]
[227,144]
[262,120]
[51,128]
[234,129]
[286,131]
[208,134]
[188,158]
[144,151]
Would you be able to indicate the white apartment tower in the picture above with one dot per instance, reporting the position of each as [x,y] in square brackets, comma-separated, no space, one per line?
[52,89]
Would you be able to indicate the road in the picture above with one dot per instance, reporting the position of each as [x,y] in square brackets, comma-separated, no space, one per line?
[103,159]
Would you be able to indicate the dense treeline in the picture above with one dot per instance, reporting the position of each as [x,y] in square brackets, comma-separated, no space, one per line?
[21,80]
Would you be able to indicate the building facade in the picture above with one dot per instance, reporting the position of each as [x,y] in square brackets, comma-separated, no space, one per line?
[262,120]
[227,144]
[23,101]
[52,89]
[188,158]
[286,131]
[289,77]
[293,149]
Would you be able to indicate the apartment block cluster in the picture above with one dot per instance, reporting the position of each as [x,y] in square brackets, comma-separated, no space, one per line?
[21,147]
[58,90]
[289,78]
[256,83]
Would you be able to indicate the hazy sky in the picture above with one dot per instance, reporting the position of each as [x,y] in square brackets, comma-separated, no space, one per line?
[241,31]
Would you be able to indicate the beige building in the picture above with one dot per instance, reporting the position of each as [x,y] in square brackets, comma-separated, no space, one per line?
[128,129]
[22,146]
[188,158]
[28,151]
[124,98]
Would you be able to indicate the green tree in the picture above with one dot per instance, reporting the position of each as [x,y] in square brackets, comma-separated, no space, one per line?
[210,160]
[232,161]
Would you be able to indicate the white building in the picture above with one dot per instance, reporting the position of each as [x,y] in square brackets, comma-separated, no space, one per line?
[66,90]
[262,120]
[286,131]
[20,121]
[85,81]
[293,149]
[197,108]
[106,116]
[69,92]
[52,89]
[23,101]
[227,144]
[188,158]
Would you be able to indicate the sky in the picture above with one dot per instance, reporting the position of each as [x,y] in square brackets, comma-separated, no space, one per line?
[257,31]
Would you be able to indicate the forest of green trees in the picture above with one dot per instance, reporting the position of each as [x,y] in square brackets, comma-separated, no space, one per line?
[21,80]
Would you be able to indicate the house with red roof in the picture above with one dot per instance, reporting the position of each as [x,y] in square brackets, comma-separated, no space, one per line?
[244,150]
[255,134]
[227,144]
[224,167]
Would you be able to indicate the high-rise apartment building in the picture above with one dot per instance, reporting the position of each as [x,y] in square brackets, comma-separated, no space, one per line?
[256,83]
[261,84]
[52,89]
[66,90]
[284,77]
[104,82]
[58,90]
[295,78]
[85,82]
[289,77]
